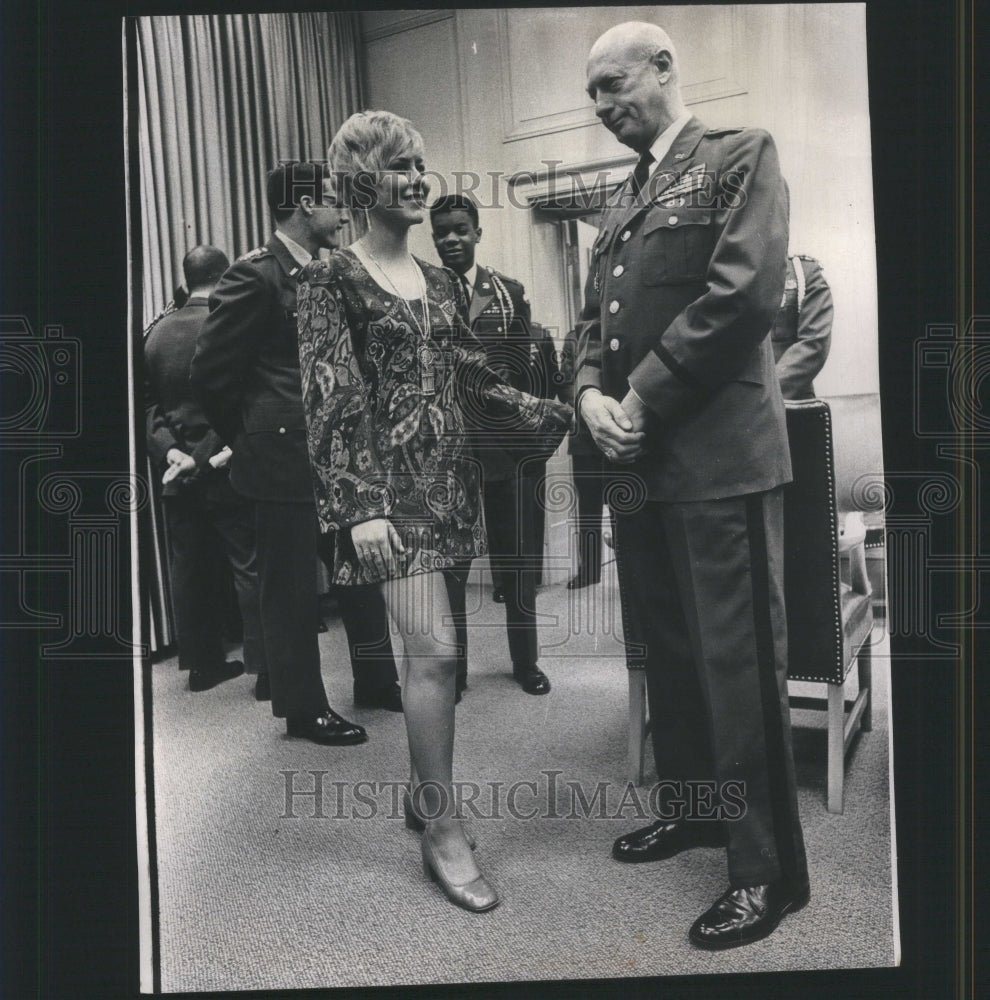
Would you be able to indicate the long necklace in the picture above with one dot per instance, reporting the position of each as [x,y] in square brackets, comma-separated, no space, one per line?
[426,353]
[424,328]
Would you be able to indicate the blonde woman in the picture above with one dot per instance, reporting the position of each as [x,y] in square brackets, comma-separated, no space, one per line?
[389,370]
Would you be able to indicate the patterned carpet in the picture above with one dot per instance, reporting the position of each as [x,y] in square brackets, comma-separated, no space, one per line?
[261,889]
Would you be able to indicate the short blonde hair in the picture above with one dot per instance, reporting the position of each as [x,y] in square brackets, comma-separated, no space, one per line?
[369,140]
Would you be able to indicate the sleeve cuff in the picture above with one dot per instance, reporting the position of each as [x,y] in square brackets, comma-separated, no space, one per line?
[662,391]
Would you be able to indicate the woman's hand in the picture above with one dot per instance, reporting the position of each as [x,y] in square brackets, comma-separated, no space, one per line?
[377,544]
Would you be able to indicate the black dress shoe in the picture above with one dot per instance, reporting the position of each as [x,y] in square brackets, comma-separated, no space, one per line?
[203,680]
[328,729]
[745,915]
[263,688]
[498,595]
[531,679]
[580,580]
[663,840]
[388,697]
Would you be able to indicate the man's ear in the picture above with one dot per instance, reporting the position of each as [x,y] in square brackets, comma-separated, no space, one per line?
[307,204]
[664,64]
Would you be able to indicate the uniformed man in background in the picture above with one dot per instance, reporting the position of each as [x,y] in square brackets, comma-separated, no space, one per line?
[802,331]
[209,524]
[676,385]
[246,375]
[499,315]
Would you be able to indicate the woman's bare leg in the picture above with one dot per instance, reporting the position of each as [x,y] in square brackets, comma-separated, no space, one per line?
[419,606]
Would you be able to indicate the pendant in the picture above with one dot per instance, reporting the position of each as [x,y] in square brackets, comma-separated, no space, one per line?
[429,357]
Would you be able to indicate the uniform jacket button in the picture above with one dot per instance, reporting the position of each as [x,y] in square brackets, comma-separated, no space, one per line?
[618,271]
[625,236]
[613,344]
[673,220]
[281,430]
[613,306]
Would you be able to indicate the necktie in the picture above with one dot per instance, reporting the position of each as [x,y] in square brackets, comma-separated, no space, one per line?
[641,173]
[466,287]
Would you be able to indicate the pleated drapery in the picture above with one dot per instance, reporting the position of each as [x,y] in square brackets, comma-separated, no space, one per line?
[220,101]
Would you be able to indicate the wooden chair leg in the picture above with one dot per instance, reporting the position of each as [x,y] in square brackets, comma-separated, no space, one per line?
[836,746]
[864,664]
[637,724]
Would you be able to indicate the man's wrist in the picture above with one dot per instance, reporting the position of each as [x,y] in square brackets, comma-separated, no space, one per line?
[584,393]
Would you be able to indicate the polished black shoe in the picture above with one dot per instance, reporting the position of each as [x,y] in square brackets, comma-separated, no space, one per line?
[498,595]
[742,916]
[388,697]
[532,680]
[203,680]
[263,688]
[663,840]
[328,729]
[580,580]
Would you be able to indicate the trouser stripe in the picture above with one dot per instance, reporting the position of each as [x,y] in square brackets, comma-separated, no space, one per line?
[773,723]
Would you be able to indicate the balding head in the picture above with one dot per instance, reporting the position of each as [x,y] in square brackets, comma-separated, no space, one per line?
[203,267]
[635,40]
[632,78]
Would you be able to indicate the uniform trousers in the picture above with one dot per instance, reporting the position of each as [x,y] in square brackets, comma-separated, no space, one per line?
[702,599]
[511,546]
[589,485]
[455,580]
[287,536]
[202,534]
[365,617]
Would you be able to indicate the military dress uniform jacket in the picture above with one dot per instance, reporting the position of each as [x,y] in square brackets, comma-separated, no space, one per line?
[802,332]
[245,374]
[516,348]
[173,418]
[684,285]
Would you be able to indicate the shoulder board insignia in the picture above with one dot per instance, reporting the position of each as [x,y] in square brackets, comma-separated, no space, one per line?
[716,132]
[505,277]
[256,253]
[804,256]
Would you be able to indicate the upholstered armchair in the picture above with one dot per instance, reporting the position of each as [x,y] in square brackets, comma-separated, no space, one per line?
[829,620]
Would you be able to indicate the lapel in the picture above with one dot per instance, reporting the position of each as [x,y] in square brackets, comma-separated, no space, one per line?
[482,294]
[670,168]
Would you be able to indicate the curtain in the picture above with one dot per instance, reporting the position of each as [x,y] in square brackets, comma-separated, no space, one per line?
[220,101]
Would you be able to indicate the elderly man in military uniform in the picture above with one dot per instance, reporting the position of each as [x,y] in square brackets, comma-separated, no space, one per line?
[499,314]
[246,375]
[676,385]
[802,332]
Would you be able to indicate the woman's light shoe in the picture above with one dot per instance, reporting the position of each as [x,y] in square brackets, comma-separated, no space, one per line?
[476,895]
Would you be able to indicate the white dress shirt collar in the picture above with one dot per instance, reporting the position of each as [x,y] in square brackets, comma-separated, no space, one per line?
[299,254]
[663,142]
